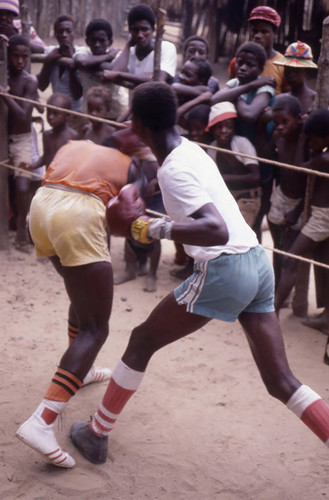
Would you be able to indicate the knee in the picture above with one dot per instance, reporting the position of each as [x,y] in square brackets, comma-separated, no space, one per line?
[143,342]
[282,386]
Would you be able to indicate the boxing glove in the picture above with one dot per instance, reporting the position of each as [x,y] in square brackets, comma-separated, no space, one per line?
[123,209]
[145,229]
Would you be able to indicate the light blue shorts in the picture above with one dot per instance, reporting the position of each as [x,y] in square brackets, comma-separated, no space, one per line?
[224,287]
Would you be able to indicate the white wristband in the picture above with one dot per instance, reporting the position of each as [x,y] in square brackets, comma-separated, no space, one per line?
[160,229]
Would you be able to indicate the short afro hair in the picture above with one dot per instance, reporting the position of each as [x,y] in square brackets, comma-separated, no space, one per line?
[15,40]
[195,38]
[141,13]
[317,123]
[200,113]
[102,93]
[61,19]
[204,69]
[99,25]
[256,50]
[64,100]
[289,103]
[155,105]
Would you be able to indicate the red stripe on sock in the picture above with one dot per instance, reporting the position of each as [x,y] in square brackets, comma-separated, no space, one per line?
[116,397]
[316,417]
[49,416]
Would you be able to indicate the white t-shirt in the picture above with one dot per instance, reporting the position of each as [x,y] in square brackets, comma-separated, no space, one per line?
[120,95]
[240,145]
[61,82]
[145,67]
[188,179]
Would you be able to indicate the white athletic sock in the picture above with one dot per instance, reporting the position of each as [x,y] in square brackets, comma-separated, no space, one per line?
[123,383]
[312,410]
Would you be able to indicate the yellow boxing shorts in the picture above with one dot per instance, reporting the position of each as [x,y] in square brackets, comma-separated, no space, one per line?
[69,224]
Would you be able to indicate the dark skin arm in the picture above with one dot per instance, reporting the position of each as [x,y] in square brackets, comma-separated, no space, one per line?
[205,228]
[232,94]
[86,61]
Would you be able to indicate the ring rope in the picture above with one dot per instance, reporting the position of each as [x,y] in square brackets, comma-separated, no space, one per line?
[208,146]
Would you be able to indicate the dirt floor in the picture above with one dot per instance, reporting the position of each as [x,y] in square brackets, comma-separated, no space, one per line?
[201,426]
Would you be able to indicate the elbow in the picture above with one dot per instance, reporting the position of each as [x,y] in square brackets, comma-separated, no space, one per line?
[218,233]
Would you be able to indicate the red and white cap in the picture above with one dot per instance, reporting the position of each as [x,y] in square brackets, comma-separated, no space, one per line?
[220,112]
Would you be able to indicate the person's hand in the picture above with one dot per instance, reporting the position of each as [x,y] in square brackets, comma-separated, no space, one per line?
[123,209]
[291,217]
[263,80]
[108,76]
[66,50]
[111,54]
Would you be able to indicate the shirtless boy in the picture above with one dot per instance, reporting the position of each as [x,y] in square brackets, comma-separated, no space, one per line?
[21,84]
[59,134]
[316,230]
[98,105]
[287,201]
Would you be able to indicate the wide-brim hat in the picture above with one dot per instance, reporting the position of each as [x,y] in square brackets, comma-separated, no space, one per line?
[220,112]
[264,13]
[10,5]
[297,55]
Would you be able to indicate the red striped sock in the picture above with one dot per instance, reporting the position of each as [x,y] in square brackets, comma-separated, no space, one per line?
[72,332]
[124,382]
[63,386]
[312,410]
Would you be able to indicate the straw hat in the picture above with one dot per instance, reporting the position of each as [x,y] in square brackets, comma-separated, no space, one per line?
[297,55]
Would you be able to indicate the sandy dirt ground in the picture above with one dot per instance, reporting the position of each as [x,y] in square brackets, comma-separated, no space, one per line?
[201,427]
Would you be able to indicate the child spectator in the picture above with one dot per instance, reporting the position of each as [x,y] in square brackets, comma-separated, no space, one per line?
[252,94]
[137,254]
[59,68]
[59,133]
[285,217]
[98,105]
[192,81]
[88,60]
[297,63]
[316,229]
[197,46]
[264,22]
[241,174]
[11,25]
[21,84]
[135,64]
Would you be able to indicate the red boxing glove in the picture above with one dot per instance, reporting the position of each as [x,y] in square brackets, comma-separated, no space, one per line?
[123,209]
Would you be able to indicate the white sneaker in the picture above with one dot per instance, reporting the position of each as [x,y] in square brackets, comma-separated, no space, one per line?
[41,437]
[97,375]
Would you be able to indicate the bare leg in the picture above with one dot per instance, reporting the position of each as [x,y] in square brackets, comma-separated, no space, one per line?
[22,185]
[267,347]
[302,246]
[131,266]
[154,256]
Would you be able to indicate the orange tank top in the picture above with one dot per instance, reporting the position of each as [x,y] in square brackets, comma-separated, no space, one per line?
[89,167]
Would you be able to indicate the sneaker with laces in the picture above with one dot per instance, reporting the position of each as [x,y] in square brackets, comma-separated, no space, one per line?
[97,375]
[41,437]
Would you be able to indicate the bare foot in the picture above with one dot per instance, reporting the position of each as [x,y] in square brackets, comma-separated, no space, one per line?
[23,246]
[123,278]
[142,269]
[150,284]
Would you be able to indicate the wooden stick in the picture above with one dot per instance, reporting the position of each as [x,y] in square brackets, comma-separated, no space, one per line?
[161,19]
